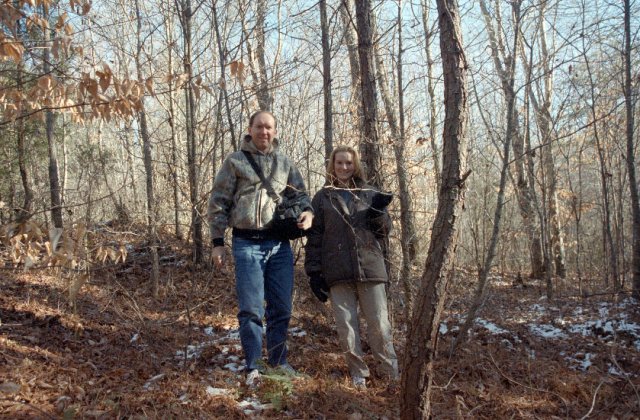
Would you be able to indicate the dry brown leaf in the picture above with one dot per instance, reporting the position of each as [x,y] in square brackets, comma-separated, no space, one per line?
[149,85]
[196,92]
[86,7]
[105,80]
[181,79]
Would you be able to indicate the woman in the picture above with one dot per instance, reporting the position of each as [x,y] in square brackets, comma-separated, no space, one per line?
[344,261]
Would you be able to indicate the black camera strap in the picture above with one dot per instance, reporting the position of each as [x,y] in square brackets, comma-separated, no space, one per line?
[272,193]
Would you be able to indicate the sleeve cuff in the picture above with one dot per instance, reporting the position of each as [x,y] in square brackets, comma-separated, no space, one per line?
[218,242]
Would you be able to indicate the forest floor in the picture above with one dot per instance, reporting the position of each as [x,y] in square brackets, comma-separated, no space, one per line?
[125,354]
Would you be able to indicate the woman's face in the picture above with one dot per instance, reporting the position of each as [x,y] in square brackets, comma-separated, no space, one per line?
[343,166]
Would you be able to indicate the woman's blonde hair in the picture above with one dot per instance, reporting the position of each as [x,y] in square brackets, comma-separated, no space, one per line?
[358,173]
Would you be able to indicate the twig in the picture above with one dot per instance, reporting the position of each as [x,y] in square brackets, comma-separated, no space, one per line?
[448,383]
[593,402]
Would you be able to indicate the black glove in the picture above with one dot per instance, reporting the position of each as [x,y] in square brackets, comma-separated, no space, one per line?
[380,201]
[319,287]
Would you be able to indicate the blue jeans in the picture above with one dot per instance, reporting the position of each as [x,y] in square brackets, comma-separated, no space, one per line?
[264,271]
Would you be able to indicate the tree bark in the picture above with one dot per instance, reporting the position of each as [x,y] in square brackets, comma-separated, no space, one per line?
[417,376]
[25,212]
[370,145]
[54,178]
[173,166]
[190,109]
[433,133]
[630,158]
[354,63]
[326,81]
[148,165]
[265,97]
[543,114]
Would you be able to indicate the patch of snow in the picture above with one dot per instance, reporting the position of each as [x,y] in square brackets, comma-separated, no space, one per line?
[297,332]
[208,331]
[614,371]
[546,331]
[443,328]
[604,310]
[582,360]
[493,328]
[233,367]
[134,338]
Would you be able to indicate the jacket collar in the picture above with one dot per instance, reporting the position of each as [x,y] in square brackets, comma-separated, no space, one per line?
[248,145]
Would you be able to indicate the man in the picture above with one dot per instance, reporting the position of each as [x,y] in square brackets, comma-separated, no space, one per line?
[263,261]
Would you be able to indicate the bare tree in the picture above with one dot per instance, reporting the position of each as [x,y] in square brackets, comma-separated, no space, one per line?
[524,185]
[354,62]
[54,177]
[630,155]
[433,133]
[422,339]
[481,290]
[148,161]
[370,144]
[396,120]
[186,14]
[326,80]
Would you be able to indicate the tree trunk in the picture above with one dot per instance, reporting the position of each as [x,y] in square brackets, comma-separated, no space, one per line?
[433,133]
[354,63]
[173,164]
[265,97]
[148,164]
[190,109]
[543,114]
[54,178]
[370,145]
[630,158]
[326,81]
[25,212]
[417,376]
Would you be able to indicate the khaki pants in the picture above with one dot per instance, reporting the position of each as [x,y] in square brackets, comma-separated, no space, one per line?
[373,304]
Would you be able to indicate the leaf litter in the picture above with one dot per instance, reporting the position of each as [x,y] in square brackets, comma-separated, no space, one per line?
[125,354]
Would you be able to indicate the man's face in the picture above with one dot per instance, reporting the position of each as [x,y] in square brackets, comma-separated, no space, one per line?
[263,131]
